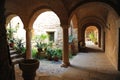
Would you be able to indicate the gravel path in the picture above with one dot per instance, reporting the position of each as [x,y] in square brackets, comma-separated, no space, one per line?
[46,68]
[51,67]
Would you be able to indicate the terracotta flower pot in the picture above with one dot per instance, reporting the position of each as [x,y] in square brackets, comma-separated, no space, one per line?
[11,45]
[29,67]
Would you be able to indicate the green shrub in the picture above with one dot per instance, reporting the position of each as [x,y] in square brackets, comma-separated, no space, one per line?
[58,53]
[34,52]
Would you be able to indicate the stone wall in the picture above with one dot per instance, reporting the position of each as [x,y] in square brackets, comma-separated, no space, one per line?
[111,41]
[58,33]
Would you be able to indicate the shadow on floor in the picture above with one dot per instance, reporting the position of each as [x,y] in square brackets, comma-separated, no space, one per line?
[93,74]
[88,49]
[91,66]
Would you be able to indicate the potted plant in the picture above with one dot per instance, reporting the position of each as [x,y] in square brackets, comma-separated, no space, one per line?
[10,36]
[49,52]
[11,44]
[19,46]
[39,47]
[57,54]
[40,42]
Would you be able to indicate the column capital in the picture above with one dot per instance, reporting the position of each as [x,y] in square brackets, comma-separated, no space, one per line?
[28,29]
[65,26]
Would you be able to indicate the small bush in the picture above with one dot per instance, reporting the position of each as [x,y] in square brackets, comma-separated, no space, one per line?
[34,52]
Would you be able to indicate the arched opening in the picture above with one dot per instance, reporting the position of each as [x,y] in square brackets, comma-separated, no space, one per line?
[104,17]
[47,26]
[73,36]
[15,29]
[91,36]
[84,20]
[92,39]
[90,8]
[16,38]
[47,39]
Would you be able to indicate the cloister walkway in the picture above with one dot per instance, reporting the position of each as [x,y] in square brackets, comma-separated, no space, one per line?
[91,66]
[85,66]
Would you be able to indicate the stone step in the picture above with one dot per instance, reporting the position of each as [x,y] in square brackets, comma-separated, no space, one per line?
[13,52]
[16,57]
[17,60]
[13,56]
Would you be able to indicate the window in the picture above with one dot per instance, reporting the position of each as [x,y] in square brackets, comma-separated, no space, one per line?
[51,36]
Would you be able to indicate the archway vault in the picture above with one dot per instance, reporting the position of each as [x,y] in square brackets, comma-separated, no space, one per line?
[92,21]
[107,4]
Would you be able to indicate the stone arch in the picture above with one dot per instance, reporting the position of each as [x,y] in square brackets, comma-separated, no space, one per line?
[105,24]
[17,21]
[62,16]
[86,26]
[37,12]
[105,4]
[88,31]
[10,16]
[92,21]
[108,4]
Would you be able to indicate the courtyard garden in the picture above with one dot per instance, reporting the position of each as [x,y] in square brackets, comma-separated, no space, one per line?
[42,48]
[47,38]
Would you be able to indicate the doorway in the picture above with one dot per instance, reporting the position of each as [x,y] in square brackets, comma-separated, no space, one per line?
[91,36]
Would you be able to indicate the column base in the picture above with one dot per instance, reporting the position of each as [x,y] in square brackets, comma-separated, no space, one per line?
[65,65]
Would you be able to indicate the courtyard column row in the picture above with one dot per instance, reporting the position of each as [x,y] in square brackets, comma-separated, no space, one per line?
[65,55]
[28,43]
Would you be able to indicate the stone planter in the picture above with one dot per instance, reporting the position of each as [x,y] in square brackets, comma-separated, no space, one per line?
[29,67]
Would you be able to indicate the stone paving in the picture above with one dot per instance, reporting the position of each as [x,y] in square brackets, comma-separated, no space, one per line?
[84,66]
[91,66]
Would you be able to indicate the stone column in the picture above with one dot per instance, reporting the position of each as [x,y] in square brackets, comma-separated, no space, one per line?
[28,43]
[65,55]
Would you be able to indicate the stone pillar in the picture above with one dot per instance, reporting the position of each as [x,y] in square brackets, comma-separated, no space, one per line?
[28,43]
[65,55]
